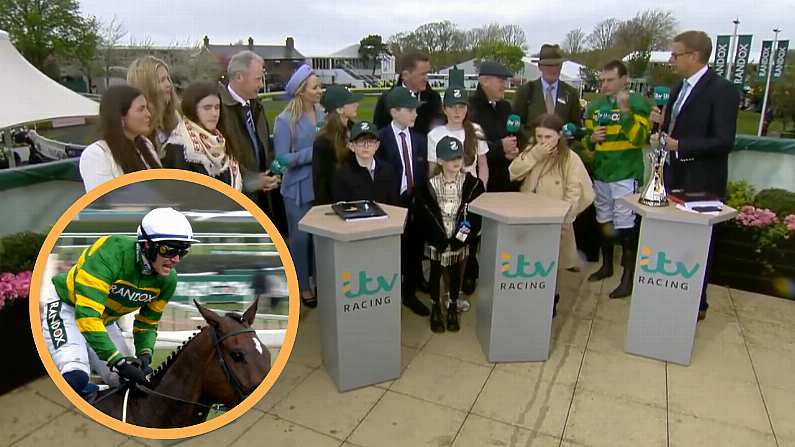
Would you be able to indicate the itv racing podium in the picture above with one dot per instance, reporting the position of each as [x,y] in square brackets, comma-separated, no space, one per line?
[358,286]
[520,242]
[669,272]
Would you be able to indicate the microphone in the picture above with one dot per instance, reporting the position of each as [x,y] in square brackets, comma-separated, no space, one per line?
[572,131]
[661,95]
[278,166]
[514,124]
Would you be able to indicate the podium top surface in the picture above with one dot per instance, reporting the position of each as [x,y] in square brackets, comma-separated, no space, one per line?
[323,221]
[671,213]
[519,208]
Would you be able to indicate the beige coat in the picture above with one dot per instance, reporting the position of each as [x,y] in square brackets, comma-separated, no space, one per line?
[539,176]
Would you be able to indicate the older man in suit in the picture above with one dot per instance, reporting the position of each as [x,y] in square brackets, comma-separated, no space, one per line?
[244,125]
[547,94]
[700,122]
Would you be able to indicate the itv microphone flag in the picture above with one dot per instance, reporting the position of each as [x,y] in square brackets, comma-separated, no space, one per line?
[780,61]
[741,60]
[722,55]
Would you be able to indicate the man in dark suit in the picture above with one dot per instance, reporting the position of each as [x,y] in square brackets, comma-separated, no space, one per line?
[413,68]
[245,127]
[547,94]
[700,122]
[406,151]
[489,109]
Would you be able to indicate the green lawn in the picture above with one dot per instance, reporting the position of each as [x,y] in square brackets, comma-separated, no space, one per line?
[366,107]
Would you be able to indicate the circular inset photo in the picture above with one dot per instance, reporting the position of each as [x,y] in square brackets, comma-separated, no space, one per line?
[162,307]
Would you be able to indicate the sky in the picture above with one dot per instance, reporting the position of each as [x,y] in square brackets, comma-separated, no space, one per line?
[321,28]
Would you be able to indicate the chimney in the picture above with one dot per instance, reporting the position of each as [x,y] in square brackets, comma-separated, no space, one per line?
[251,43]
[290,44]
[206,41]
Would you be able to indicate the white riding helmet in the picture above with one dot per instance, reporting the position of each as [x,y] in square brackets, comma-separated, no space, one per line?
[165,224]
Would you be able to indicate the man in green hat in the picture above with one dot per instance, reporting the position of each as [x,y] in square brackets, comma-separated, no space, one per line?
[406,151]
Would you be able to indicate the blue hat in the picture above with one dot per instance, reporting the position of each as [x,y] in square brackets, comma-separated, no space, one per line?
[300,75]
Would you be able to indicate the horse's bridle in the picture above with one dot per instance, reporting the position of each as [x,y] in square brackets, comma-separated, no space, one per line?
[230,376]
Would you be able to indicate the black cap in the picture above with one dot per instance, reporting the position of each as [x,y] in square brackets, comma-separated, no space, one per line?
[492,68]
[400,97]
[455,95]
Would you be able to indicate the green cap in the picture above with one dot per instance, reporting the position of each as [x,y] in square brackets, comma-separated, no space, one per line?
[337,96]
[363,128]
[401,97]
[449,148]
[455,95]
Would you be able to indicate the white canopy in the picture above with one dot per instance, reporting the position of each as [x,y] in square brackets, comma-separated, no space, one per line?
[27,95]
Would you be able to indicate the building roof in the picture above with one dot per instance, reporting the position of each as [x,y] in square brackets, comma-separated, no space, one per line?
[349,52]
[267,52]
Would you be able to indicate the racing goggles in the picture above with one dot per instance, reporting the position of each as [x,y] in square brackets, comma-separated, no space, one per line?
[173,249]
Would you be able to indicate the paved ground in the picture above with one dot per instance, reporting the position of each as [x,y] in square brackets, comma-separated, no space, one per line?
[739,390]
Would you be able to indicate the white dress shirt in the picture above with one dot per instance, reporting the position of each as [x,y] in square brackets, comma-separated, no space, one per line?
[397,131]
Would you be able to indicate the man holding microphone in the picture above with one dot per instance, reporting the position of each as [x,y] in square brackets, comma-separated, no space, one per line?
[700,123]
[617,128]
[489,109]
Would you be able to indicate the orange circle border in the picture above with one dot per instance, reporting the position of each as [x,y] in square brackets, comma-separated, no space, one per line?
[164,433]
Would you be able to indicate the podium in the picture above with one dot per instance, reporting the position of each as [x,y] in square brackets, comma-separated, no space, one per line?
[520,242]
[669,272]
[358,286]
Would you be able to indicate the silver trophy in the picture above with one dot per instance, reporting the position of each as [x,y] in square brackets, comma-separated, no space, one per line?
[654,193]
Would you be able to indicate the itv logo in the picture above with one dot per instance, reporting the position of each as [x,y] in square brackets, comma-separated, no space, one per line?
[524,268]
[366,285]
[661,264]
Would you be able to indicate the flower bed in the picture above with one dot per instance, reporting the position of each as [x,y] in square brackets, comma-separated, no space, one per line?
[23,364]
[755,251]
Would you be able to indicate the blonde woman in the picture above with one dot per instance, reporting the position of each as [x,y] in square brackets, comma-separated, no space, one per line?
[293,136]
[152,76]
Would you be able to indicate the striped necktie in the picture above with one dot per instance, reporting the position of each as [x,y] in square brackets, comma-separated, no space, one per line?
[252,132]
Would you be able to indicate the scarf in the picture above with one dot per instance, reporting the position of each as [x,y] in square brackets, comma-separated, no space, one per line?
[207,149]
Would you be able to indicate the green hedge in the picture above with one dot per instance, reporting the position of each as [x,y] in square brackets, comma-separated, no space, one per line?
[780,201]
[18,252]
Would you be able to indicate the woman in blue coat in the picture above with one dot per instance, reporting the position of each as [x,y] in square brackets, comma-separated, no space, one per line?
[293,136]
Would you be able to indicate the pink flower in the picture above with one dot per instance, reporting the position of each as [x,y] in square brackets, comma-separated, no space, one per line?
[6,277]
[756,217]
[790,221]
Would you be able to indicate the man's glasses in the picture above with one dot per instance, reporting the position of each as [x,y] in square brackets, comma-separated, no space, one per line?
[172,251]
[678,55]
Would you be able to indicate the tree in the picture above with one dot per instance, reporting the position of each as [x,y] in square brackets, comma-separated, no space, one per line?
[649,30]
[494,32]
[44,29]
[110,37]
[443,41]
[574,42]
[603,36]
[373,49]
[86,50]
[504,53]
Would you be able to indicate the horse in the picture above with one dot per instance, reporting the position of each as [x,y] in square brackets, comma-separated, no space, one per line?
[221,364]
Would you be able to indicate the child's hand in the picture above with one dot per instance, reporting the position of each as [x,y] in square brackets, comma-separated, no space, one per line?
[550,149]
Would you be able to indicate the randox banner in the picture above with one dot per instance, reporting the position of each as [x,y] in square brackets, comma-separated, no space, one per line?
[764,60]
[780,61]
[741,60]
[722,55]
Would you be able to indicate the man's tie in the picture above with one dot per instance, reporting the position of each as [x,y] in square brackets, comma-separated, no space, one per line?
[548,100]
[252,132]
[680,101]
[406,164]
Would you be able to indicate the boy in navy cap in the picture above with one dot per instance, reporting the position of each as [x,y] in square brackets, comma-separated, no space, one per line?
[360,177]
[406,151]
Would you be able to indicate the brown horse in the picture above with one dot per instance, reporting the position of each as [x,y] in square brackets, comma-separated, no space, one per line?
[221,364]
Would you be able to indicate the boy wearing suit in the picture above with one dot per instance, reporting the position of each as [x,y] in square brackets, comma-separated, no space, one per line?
[406,151]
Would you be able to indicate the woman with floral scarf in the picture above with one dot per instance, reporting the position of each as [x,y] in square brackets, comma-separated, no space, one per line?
[196,144]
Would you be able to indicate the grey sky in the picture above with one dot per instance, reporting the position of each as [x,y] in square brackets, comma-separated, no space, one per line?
[322,27]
